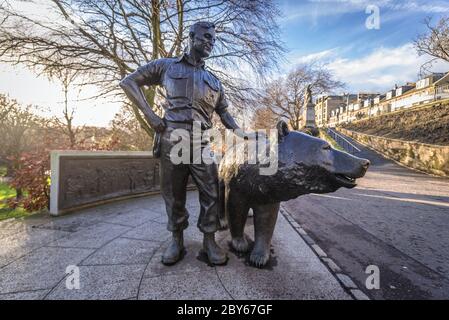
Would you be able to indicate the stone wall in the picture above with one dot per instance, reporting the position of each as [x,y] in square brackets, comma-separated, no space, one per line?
[425,157]
[88,178]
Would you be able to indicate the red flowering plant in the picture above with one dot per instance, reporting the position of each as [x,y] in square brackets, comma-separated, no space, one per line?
[32,174]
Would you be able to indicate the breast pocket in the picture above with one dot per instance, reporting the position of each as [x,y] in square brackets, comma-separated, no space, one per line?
[176,84]
[211,91]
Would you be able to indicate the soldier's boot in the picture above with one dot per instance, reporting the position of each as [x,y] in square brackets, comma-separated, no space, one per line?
[175,251]
[215,254]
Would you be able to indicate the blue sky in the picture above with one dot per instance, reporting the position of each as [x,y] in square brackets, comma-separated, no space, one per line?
[316,25]
[334,32]
[328,31]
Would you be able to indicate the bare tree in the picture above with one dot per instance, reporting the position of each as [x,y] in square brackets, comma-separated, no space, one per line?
[65,123]
[435,42]
[105,39]
[132,136]
[264,118]
[18,131]
[7,106]
[285,96]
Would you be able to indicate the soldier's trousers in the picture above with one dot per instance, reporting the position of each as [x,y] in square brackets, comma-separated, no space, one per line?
[174,179]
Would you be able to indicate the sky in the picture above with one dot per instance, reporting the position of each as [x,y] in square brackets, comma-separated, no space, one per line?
[366,59]
[369,58]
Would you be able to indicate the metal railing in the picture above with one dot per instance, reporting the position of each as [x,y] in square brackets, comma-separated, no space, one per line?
[442,89]
[342,141]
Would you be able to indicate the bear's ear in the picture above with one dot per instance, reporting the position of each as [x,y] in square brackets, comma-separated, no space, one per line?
[283,130]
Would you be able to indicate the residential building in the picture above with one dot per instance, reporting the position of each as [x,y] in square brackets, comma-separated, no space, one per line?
[324,106]
[331,110]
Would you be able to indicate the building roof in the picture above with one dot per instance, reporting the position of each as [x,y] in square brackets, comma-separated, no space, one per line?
[442,79]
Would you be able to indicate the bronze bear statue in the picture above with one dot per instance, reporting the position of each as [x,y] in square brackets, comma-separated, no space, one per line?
[306,164]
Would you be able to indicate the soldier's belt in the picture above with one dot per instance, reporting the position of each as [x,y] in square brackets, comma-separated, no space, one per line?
[183,125]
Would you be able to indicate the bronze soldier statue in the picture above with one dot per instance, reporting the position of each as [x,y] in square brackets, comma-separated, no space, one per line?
[192,95]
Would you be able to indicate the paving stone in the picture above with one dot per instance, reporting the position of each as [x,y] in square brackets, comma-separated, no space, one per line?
[151,230]
[9,223]
[287,244]
[293,272]
[332,265]
[20,243]
[124,251]
[134,218]
[102,283]
[155,203]
[71,223]
[6,232]
[308,239]
[11,226]
[41,269]
[92,237]
[114,257]
[193,233]
[359,295]
[318,250]
[188,286]
[347,281]
[286,282]
[295,224]
[161,218]
[114,207]
[194,210]
[37,219]
[25,295]
[189,264]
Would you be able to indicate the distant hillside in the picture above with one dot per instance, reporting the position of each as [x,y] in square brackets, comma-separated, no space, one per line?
[427,124]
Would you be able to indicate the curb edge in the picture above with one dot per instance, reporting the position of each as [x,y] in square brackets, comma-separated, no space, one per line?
[349,286]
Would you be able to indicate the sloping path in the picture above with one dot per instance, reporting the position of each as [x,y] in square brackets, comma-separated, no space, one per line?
[396,218]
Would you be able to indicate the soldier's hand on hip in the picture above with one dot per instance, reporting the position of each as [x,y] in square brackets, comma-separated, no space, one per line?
[157,123]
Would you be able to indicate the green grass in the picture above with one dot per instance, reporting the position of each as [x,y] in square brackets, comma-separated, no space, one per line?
[330,140]
[2,171]
[5,212]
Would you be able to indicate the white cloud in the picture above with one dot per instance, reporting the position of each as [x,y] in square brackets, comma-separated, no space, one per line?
[382,69]
[378,71]
[317,56]
[421,6]
[314,9]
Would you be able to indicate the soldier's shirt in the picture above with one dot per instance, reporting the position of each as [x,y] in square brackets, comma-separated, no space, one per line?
[192,92]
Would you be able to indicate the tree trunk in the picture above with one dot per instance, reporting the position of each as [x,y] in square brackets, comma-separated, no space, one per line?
[180,8]
[19,194]
[156,26]
[9,169]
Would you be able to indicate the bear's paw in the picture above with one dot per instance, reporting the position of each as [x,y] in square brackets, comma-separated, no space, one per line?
[240,245]
[259,258]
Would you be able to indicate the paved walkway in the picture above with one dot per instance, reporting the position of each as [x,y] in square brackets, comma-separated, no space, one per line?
[118,248]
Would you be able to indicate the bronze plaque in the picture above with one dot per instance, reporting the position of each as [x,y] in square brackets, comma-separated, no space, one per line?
[86,180]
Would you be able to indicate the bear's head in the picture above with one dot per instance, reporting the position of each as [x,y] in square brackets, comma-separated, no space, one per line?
[310,165]
[305,164]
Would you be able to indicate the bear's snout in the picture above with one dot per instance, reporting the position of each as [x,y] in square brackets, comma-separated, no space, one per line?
[360,168]
[348,168]
[364,164]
